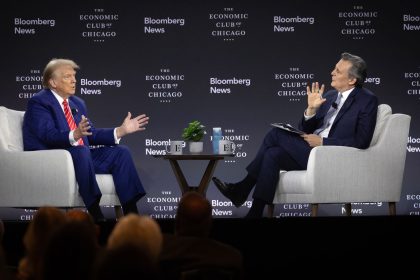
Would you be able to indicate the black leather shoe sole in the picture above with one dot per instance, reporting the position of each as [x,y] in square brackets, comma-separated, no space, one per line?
[100,221]
[229,192]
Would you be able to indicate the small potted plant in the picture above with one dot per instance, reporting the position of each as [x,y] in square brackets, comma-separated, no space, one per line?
[194,133]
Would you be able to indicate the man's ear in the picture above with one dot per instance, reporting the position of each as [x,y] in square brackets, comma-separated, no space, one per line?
[352,81]
[52,83]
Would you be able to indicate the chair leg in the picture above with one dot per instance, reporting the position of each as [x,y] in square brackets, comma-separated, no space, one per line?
[347,207]
[314,209]
[392,208]
[118,211]
[270,210]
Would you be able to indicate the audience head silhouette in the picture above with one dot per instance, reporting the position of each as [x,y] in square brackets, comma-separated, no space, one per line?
[137,230]
[70,253]
[193,215]
[81,216]
[125,262]
[1,230]
[192,253]
[3,272]
[46,220]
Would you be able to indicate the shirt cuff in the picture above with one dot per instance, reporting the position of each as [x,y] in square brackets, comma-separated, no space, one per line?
[116,139]
[71,139]
[307,117]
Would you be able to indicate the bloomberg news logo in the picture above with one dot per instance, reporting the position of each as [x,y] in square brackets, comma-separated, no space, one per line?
[158,146]
[413,144]
[227,85]
[30,26]
[160,25]
[288,24]
[97,87]
[411,23]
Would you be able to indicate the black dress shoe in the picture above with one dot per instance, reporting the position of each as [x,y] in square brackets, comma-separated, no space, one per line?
[130,207]
[96,213]
[257,209]
[228,190]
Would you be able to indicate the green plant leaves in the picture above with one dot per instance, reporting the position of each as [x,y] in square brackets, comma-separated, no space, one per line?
[194,132]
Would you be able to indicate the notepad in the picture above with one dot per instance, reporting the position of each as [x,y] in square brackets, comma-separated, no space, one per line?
[288,127]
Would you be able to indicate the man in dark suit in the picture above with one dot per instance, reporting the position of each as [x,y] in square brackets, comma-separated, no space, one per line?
[56,119]
[345,116]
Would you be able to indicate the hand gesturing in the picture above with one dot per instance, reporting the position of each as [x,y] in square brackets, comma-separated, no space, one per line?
[315,98]
[131,125]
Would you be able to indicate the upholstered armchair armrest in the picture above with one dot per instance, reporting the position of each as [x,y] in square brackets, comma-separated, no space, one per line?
[25,175]
[361,178]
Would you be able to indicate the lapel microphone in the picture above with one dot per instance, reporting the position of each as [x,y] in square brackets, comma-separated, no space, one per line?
[334,105]
[74,111]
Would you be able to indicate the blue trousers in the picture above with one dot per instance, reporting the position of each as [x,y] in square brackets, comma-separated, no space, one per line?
[280,150]
[115,160]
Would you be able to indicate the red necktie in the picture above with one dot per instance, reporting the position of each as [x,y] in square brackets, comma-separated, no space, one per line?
[70,120]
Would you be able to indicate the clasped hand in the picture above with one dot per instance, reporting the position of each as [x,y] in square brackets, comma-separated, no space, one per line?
[82,129]
[313,140]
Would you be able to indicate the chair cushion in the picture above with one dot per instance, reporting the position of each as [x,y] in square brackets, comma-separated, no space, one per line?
[384,111]
[11,129]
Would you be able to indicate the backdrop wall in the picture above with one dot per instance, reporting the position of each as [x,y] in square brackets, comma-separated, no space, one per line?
[239,65]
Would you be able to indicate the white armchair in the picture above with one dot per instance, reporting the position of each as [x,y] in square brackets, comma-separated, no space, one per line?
[342,175]
[38,178]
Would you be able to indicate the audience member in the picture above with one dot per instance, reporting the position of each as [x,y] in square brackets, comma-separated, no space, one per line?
[71,252]
[126,262]
[4,272]
[191,247]
[39,231]
[79,215]
[140,231]
[1,230]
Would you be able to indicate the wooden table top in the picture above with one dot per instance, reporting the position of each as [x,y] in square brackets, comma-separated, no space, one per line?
[194,156]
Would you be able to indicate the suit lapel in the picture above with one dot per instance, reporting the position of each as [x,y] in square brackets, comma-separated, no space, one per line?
[58,111]
[77,117]
[346,106]
[327,106]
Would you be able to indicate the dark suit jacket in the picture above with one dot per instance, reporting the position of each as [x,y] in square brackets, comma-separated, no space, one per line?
[355,122]
[45,126]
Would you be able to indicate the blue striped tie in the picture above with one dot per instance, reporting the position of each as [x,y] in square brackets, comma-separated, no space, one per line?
[329,115]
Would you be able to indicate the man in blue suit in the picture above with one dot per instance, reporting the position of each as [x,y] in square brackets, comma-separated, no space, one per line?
[345,116]
[46,126]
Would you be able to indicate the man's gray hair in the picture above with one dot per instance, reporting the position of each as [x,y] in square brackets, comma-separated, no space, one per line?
[358,70]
